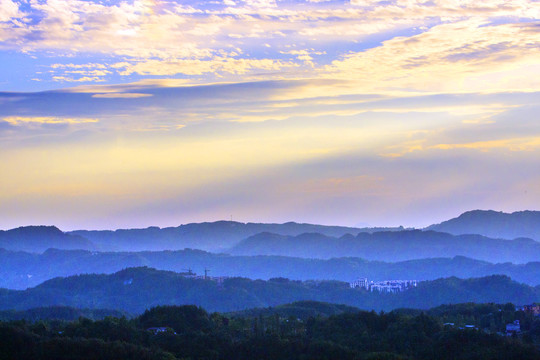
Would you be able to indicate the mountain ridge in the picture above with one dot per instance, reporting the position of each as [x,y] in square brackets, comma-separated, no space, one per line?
[208,236]
[40,238]
[222,235]
[391,246]
[490,223]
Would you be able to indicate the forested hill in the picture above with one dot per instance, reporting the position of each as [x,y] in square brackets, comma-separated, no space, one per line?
[21,270]
[493,224]
[299,310]
[391,246]
[210,236]
[136,289]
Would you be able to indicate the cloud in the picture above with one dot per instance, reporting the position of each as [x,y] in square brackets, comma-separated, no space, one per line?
[6,126]
[520,144]
[16,120]
[436,42]
[79,79]
[121,95]
[9,10]
[200,67]
[363,110]
[448,57]
[134,86]
[181,155]
[79,66]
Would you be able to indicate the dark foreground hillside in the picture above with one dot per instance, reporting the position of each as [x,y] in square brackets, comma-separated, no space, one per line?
[136,289]
[188,332]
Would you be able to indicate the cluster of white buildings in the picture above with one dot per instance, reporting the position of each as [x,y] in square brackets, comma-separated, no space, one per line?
[385,286]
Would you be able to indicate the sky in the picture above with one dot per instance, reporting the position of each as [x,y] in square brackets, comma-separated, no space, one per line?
[118,114]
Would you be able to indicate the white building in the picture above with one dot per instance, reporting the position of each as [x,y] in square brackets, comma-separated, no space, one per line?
[386,286]
[360,283]
[393,286]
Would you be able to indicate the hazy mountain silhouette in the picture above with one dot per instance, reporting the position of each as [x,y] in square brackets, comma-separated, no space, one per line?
[209,236]
[41,238]
[493,224]
[136,289]
[391,246]
[307,240]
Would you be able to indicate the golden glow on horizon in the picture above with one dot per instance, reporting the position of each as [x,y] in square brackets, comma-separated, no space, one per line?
[519,144]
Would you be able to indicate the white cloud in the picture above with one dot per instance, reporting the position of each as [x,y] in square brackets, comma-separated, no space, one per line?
[9,10]
[18,120]
[220,40]
[78,79]
[199,67]
[79,66]
[448,57]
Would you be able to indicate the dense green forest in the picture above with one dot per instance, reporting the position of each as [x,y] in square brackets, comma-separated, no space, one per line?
[189,332]
[134,290]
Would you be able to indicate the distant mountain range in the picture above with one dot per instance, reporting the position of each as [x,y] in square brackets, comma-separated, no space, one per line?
[209,236]
[21,270]
[136,289]
[493,224]
[391,246]
[462,236]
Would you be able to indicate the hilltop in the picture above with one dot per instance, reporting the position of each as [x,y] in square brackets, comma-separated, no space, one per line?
[41,238]
[493,224]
